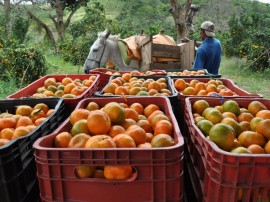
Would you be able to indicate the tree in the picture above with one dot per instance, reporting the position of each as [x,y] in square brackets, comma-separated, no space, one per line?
[7,14]
[183,17]
[58,20]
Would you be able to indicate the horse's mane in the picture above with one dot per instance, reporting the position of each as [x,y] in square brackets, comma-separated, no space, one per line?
[111,37]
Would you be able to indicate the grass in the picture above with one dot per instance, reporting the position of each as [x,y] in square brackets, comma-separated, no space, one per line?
[243,77]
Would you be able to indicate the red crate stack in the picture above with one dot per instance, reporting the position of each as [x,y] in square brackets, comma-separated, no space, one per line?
[218,175]
[158,172]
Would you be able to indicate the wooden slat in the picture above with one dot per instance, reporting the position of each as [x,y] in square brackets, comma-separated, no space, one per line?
[187,55]
[165,51]
[146,40]
[164,66]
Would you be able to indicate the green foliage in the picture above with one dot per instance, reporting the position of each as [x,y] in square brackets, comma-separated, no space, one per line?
[19,29]
[248,38]
[28,64]
[84,33]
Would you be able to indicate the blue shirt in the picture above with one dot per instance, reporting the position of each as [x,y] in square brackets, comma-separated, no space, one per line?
[208,55]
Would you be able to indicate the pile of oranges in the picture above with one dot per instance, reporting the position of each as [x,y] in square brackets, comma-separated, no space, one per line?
[233,128]
[187,73]
[196,87]
[116,125]
[66,88]
[25,119]
[136,73]
[129,84]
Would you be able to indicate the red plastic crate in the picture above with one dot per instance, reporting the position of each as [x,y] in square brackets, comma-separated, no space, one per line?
[158,176]
[227,82]
[206,75]
[219,175]
[29,90]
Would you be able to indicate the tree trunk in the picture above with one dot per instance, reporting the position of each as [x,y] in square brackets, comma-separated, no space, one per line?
[59,6]
[42,24]
[7,14]
[181,17]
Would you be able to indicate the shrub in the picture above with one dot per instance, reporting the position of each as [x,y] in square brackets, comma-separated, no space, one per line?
[25,63]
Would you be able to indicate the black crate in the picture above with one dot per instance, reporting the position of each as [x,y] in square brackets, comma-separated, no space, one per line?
[17,163]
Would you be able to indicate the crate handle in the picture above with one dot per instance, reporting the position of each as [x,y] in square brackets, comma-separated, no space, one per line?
[133,177]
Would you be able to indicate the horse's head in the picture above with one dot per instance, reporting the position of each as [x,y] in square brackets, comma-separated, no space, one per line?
[96,52]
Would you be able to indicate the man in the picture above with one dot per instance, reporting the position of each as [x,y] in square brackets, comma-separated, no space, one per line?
[208,54]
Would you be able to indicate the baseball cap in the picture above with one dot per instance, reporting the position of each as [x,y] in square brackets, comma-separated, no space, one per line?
[209,28]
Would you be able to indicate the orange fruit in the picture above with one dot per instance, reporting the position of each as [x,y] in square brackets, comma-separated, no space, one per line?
[20,132]
[189,91]
[256,149]
[163,127]
[154,114]
[110,88]
[219,108]
[7,122]
[99,173]
[211,88]
[263,127]
[121,90]
[154,85]
[117,81]
[3,141]
[213,115]
[245,116]
[142,117]
[264,114]
[144,124]
[244,125]
[137,107]
[234,124]
[231,106]
[131,114]
[204,126]
[50,81]
[222,135]
[62,139]
[180,84]
[100,141]
[115,130]
[137,133]
[98,122]
[78,90]
[24,121]
[255,106]
[126,76]
[7,133]
[80,127]
[145,145]
[202,93]
[85,171]
[50,111]
[230,115]
[127,123]
[42,106]
[36,114]
[117,172]
[247,138]
[66,81]
[254,122]
[157,118]
[92,106]
[241,150]
[68,88]
[79,140]
[193,82]
[225,92]
[78,114]
[149,109]
[267,147]
[199,86]
[236,144]
[162,140]
[24,110]
[149,137]
[115,111]
[199,106]
[124,141]
[39,121]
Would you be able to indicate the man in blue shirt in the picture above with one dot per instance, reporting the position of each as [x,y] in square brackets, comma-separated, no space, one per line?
[208,54]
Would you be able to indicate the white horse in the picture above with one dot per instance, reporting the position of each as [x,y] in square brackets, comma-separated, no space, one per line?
[106,48]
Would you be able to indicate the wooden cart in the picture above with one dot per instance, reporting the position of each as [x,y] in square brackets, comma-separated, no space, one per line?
[160,56]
